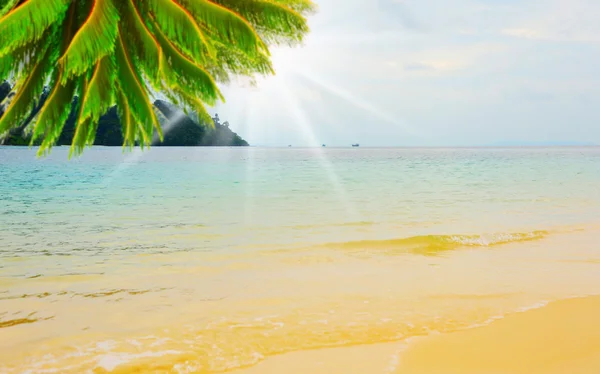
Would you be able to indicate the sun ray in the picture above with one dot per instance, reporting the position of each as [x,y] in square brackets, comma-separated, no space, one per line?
[299,115]
[137,155]
[132,159]
[249,203]
[170,124]
[355,101]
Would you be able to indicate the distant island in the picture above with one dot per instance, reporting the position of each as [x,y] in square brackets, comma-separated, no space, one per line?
[183,132]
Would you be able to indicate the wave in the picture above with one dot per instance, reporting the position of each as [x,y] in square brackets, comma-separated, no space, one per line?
[343,224]
[224,344]
[432,244]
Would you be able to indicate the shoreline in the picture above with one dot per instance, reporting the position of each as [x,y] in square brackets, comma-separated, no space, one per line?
[560,337]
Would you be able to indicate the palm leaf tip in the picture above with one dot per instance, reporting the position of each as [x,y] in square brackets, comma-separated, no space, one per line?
[107,52]
[25,23]
[94,39]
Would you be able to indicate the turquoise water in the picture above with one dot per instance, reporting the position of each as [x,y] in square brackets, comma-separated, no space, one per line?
[182,246]
[237,197]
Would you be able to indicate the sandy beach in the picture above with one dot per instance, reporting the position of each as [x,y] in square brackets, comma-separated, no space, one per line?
[562,337]
[299,187]
[435,261]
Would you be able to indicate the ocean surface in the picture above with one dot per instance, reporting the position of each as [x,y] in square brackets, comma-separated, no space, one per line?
[204,260]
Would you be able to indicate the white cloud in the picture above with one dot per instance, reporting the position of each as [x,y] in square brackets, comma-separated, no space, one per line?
[560,21]
[524,33]
[469,72]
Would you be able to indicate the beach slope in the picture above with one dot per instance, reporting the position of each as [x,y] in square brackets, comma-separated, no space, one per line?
[562,337]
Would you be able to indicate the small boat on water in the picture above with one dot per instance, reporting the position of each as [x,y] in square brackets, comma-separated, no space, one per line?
[356,145]
[323,145]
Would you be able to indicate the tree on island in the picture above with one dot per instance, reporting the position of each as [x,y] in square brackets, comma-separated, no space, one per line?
[183,130]
[120,52]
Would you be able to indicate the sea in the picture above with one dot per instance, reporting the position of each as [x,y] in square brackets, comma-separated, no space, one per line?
[206,260]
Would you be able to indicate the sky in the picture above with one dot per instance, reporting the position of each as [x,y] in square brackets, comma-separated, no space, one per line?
[430,73]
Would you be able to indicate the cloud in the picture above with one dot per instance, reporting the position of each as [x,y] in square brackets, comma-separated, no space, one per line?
[397,11]
[574,21]
[471,72]
[524,33]
[418,66]
[553,35]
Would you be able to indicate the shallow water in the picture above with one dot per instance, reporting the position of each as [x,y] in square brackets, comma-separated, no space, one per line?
[204,260]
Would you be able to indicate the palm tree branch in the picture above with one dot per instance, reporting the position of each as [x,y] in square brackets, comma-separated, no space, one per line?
[6,6]
[228,25]
[94,40]
[28,91]
[82,127]
[277,21]
[144,43]
[135,94]
[179,69]
[181,28]
[27,22]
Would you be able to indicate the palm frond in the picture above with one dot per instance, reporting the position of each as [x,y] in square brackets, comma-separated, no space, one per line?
[53,115]
[179,70]
[276,21]
[232,61]
[226,25]
[134,93]
[191,103]
[22,59]
[82,128]
[123,52]
[6,6]
[99,95]
[300,6]
[127,121]
[181,28]
[28,90]
[141,42]
[94,40]
[27,22]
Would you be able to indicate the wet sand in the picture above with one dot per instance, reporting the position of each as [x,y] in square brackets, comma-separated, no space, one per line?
[562,337]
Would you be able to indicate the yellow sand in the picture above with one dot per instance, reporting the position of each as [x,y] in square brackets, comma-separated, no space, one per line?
[561,338]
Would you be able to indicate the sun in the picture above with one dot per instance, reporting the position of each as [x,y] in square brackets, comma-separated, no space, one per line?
[287,60]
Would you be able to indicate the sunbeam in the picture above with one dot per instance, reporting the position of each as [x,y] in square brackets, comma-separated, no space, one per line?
[170,124]
[357,102]
[303,122]
[248,111]
[137,154]
[131,160]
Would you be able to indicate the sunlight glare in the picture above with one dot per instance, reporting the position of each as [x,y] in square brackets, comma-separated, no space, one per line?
[355,101]
[137,154]
[299,115]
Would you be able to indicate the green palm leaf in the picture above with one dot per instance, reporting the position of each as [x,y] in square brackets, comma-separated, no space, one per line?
[28,90]
[134,93]
[178,70]
[125,52]
[27,22]
[94,40]
[6,6]
[99,93]
[53,115]
[96,94]
[277,21]
[141,41]
[225,25]
[180,27]
[127,121]
[22,59]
